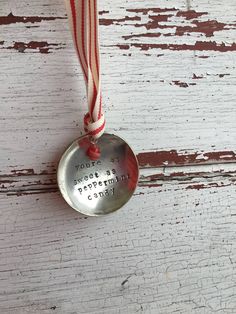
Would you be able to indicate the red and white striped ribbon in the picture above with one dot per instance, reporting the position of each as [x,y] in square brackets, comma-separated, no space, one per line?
[83,18]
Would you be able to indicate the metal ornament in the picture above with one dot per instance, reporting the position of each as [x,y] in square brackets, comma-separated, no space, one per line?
[98,187]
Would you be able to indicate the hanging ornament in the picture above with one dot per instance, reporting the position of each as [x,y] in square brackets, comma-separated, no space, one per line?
[98,173]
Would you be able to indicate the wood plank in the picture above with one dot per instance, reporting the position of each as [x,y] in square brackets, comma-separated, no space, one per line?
[186,103]
[166,252]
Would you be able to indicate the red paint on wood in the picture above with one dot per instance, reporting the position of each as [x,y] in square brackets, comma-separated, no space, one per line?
[124,47]
[207,186]
[154,10]
[30,172]
[155,20]
[31,192]
[12,19]
[39,46]
[180,84]
[150,185]
[150,35]
[190,14]
[108,22]
[188,176]
[154,23]
[196,77]
[174,158]
[208,28]
[222,75]
[103,12]
[198,46]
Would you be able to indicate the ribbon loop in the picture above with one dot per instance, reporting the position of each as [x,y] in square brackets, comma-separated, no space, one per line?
[83,18]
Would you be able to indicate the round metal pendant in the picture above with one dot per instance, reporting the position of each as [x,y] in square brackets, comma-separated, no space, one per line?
[98,187]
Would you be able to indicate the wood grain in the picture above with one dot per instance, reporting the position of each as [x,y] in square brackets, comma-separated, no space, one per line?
[175,254]
[168,81]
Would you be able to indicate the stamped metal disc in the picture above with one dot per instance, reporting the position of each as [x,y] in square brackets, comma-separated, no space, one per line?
[102,186]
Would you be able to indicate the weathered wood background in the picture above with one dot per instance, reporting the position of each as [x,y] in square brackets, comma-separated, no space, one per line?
[169,88]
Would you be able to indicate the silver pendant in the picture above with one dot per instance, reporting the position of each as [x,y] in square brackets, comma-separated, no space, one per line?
[98,187]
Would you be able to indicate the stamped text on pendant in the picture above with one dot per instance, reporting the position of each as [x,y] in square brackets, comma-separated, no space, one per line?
[100,184]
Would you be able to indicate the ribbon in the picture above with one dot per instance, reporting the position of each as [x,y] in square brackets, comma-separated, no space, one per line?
[83,19]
